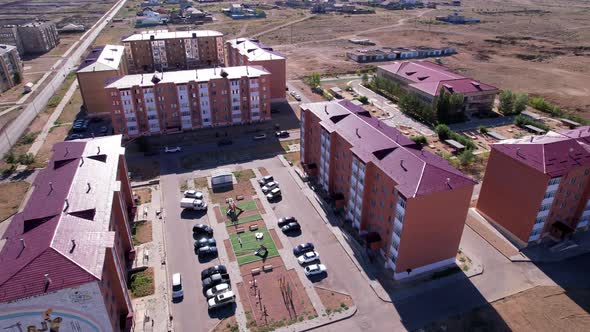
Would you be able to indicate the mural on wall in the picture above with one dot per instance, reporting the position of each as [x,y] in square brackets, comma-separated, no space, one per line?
[78,309]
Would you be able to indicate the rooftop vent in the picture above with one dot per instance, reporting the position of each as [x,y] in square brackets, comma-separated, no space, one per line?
[155,78]
[152,37]
[73,246]
[357,133]
[109,59]
[84,214]
[223,73]
[31,224]
[422,78]
[410,73]
[380,154]
[194,35]
[47,282]
[401,164]
[99,157]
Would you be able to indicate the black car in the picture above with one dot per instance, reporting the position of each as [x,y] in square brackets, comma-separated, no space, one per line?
[103,130]
[203,229]
[303,248]
[213,270]
[215,279]
[282,134]
[74,136]
[206,250]
[290,227]
[225,141]
[206,241]
[285,220]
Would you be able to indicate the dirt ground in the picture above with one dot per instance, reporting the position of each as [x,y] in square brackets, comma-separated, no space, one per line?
[542,308]
[142,232]
[538,47]
[332,300]
[144,195]
[11,196]
[228,324]
[143,170]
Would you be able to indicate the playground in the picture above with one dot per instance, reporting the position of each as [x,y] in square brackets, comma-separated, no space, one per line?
[251,246]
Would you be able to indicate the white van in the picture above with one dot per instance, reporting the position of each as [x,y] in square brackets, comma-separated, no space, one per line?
[177,286]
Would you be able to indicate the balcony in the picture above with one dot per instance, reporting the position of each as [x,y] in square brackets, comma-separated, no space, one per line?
[129,115]
[185,118]
[544,213]
[132,132]
[393,251]
[547,200]
[398,223]
[131,124]
[395,238]
[534,237]
[583,223]
[538,226]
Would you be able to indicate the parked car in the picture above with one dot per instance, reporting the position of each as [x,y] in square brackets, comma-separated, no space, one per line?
[290,227]
[193,194]
[206,251]
[215,279]
[297,97]
[225,141]
[303,248]
[285,220]
[270,186]
[213,270]
[203,229]
[308,257]
[221,299]
[259,137]
[273,194]
[221,288]
[193,204]
[265,179]
[74,136]
[205,242]
[314,269]
[177,291]
[282,133]
[169,149]
[103,130]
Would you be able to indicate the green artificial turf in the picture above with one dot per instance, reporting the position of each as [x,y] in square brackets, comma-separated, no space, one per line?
[244,220]
[246,206]
[245,253]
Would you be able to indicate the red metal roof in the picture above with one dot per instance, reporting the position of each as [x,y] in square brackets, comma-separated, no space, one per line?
[416,172]
[429,78]
[53,234]
[553,154]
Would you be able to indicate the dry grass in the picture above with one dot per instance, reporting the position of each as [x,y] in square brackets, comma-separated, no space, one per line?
[201,182]
[144,195]
[11,196]
[142,232]
[333,301]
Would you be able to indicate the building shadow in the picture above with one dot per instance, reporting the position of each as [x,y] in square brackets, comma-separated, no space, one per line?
[192,214]
[223,312]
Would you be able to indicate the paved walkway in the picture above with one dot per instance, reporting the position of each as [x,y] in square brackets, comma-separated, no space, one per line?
[34,149]
[152,313]
[478,224]
[396,117]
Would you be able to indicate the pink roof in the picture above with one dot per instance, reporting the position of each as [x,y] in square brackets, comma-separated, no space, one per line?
[553,154]
[429,78]
[63,230]
[415,171]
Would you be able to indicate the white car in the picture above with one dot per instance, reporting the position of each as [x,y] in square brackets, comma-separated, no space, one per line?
[177,286]
[308,257]
[221,288]
[259,137]
[314,269]
[169,149]
[221,299]
[193,194]
[270,186]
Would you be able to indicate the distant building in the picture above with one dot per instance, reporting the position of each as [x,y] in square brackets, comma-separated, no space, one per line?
[31,38]
[455,18]
[65,257]
[539,186]
[162,50]
[239,11]
[72,28]
[390,189]
[151,3]
[101,64]
[169,102]
[425,80]
[11,67]
[248,51]
[400,53]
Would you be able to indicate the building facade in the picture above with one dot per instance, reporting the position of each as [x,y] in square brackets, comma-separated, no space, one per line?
[160,103]
[31,38]
[101,64]
[11,67]
[426,79]
[161,50]
[391,190]
[538,186]
[66,255]
[249,52]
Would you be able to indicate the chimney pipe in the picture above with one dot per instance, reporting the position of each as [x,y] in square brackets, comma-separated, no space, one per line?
[50,187]
[89,187]
[326,109]
[67,151]
[401,163]
[22,241]
[73,246]
[357,133]
[47,281]
[67,205]
[449,183]
[98,152]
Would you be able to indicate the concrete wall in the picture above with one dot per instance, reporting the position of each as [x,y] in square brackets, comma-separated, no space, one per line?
[74,309]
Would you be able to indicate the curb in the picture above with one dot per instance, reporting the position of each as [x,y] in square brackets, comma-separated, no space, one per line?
[345,317]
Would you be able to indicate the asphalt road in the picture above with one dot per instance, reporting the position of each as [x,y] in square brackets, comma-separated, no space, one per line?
[20,124]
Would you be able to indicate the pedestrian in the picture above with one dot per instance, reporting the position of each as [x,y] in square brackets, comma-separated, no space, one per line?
[240,242]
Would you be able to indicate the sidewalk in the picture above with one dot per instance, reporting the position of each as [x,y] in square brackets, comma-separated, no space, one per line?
[152,313]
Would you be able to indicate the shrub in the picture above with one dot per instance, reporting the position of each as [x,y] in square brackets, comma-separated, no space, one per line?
[483,129]
[327,95]
[142,284]
[466,157]
[520,102]
[540,104]
[506,102]
[27,138]
[313,80]
[420,139]
[443,131]
[363,99]
[10,157]
[26,159]
[522,121]
[54,101]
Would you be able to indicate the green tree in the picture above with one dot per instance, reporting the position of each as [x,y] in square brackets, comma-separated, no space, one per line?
[443,106]
[466,157]
[456,102]
[506,102]
[443,131]
[365,78]
[483,129]
[520,102]
[363,99]
[16,78]
[420,139]
[313,80]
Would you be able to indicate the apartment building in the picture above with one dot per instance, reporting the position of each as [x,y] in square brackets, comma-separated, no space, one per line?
[162,50]
[169,102]
[31,38]
[426,79]
[250,52]
[538,186]
[101,64]
[65,256]
[11,67]
[410,203]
